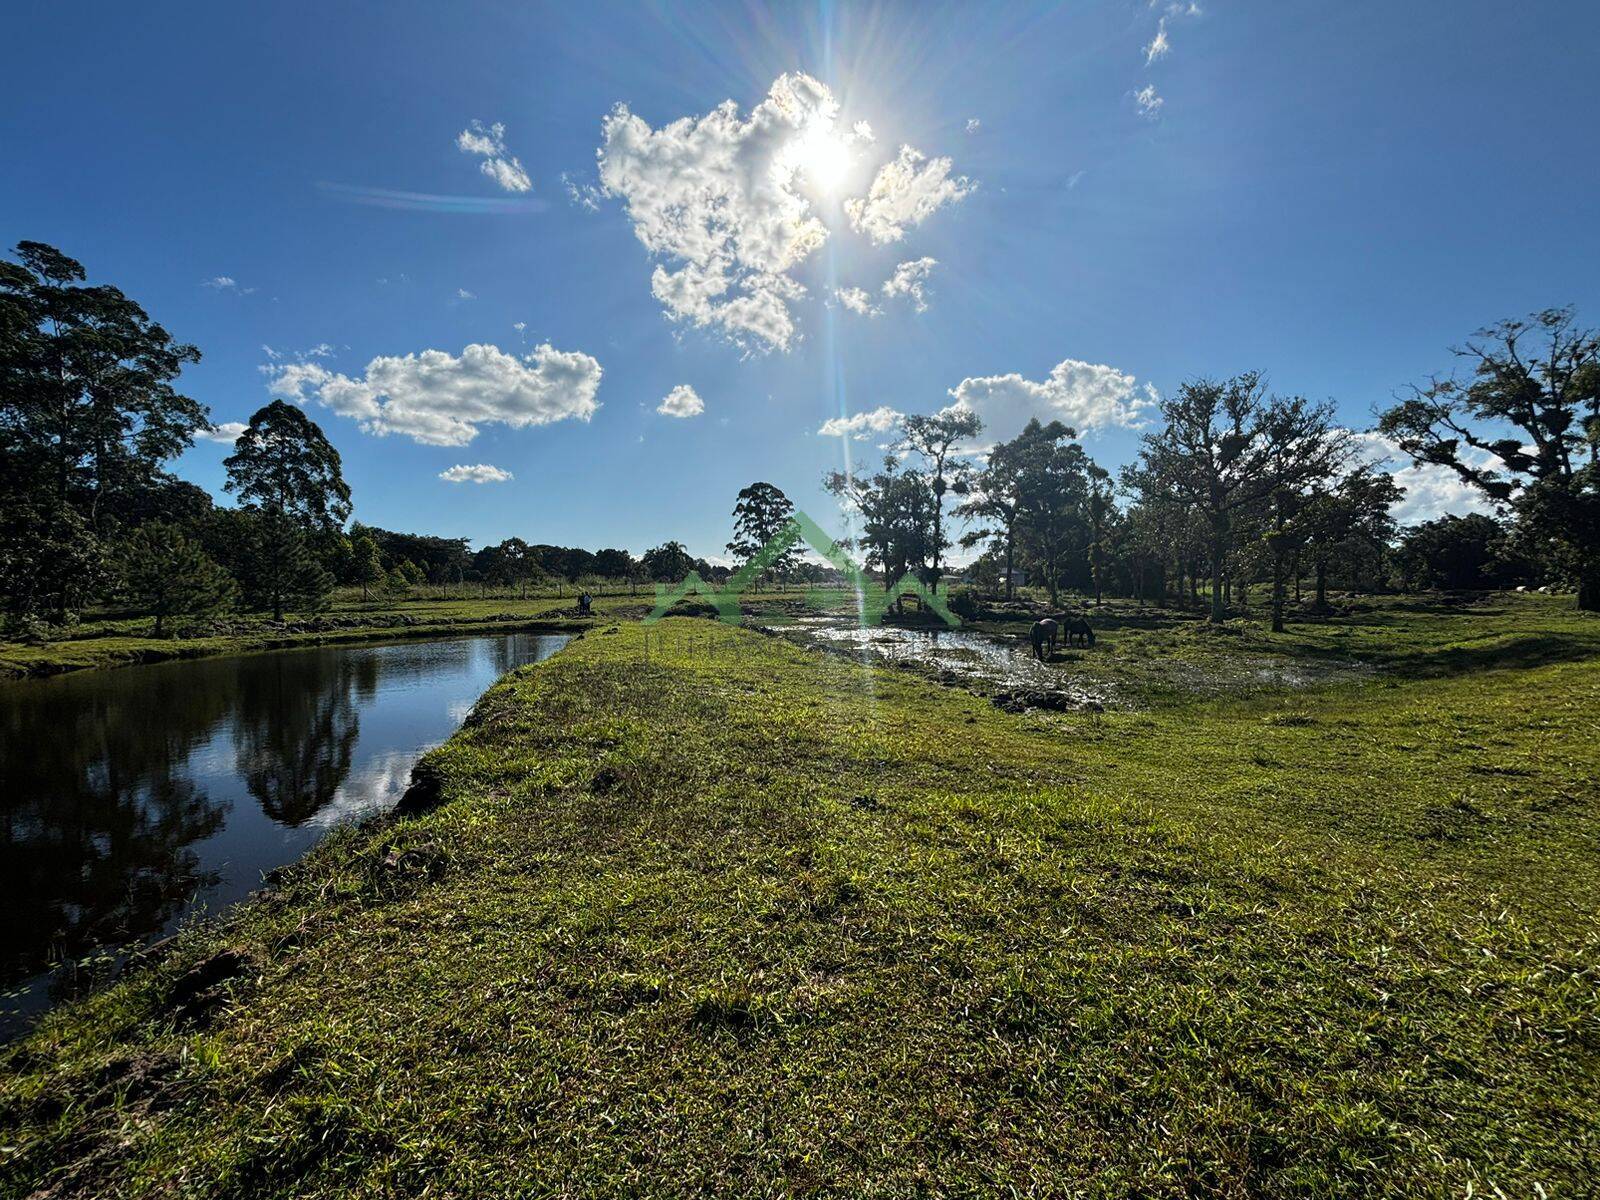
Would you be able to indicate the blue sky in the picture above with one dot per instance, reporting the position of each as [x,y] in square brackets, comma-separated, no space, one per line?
[1330,192]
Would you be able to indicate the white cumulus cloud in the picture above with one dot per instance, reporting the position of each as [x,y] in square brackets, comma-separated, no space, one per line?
[720,198]
[681,401]
[489,143]
[724,201]
[862,425]
[441,399]
[1148,101]
[906,191]
[477,473]
[1083,395]
[227,432]
[910,280]
[1432,491]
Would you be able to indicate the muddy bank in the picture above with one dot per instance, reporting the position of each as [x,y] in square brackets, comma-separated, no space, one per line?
[1129,666]
[998,666]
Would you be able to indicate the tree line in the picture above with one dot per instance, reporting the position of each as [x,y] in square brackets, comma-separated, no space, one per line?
[90,415]
[1239,487]
[1236,487]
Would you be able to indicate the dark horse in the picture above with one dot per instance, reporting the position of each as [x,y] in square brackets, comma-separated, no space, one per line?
[1074,628]
[1043,634]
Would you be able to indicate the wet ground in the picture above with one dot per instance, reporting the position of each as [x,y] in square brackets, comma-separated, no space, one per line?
[1130,666]
[988,662]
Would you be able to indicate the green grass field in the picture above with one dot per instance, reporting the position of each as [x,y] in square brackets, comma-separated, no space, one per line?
[749,919]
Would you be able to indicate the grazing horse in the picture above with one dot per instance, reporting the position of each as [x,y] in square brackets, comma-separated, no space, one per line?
[1077,627]
[1043,633]
[1074,628]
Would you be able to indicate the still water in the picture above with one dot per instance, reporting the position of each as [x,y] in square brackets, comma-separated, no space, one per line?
[131,798]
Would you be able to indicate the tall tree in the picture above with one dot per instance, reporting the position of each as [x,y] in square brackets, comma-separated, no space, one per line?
[167,575]
[895,519]
[614,564]
[509,563]
[282,463]
[1102,514]
[1524,430]
[935,439]
[668,562]
[1054,478]
[1346,520]
[760,514]
[278,570]
[994,499]
[366,562]
[1227,448]
[88,411]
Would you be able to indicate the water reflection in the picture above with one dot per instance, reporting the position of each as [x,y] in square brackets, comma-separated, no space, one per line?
[295,731]
[130,797]
[959,651]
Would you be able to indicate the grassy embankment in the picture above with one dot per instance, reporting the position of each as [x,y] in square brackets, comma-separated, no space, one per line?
[117,640]
[124,642]
[758,920]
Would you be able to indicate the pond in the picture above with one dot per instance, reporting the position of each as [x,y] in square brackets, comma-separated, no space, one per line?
[132,798]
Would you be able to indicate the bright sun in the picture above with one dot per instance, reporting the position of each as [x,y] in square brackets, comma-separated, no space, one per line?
[824,159]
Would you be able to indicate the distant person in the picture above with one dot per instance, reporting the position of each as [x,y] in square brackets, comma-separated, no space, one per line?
[584,602]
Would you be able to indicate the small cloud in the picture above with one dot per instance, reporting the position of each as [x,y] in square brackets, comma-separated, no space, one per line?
[1159,46]
[279,361]
[863,425]
[681,401]
[586,196]
[463,294]
[906,191]
[910,280]
[857,300]
[973,124]
[489,142]
[226,283]
[477,473]
[1149,102]
[1075,179]
[228,432]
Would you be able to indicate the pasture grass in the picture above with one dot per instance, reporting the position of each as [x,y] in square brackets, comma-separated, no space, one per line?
[742,918]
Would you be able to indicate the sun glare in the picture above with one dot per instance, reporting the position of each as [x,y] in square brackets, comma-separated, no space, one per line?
[824,160]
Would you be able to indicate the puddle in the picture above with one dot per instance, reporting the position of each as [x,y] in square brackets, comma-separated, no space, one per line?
[988,663]
[1127,669]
